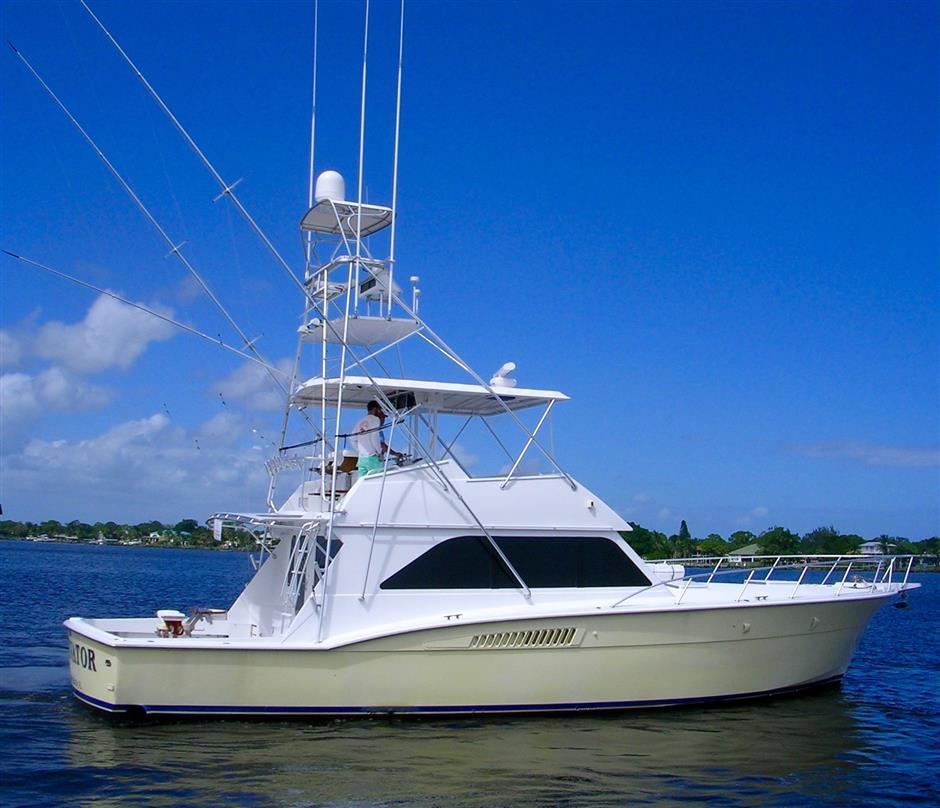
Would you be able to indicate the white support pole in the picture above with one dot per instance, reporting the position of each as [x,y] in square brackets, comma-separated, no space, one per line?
[362,143]
[391,249]
[313,110]
[528,443]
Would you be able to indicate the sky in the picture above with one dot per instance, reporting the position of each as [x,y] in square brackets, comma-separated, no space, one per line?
[713,224]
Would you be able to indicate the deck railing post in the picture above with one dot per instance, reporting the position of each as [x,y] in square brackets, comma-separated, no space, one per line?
[907,572]
[688,583]
[832,569]
[741,595]
[802,575]
[874,579]
[715,570]
[844,578]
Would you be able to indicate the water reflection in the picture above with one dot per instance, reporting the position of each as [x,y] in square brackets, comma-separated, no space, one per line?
[728,753]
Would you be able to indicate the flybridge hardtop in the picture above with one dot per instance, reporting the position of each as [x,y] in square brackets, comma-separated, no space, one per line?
[444,397]
[394,575]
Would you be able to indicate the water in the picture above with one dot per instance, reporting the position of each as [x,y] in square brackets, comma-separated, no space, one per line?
[875,739]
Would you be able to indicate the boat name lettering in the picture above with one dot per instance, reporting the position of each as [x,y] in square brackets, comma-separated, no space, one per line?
[83,656]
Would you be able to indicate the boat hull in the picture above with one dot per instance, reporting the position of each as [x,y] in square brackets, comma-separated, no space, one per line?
[608,661]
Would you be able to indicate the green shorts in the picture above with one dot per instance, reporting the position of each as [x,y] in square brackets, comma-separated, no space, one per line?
[369,465]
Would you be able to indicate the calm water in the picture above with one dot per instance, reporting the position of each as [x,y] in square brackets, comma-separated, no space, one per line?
[875,740]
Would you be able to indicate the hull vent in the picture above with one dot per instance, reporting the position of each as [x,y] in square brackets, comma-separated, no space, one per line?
[540,638]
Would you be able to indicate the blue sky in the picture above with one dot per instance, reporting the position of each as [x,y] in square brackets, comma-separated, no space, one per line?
[714,225]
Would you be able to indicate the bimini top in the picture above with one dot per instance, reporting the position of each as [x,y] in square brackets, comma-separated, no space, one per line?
[342,218]
[442,397]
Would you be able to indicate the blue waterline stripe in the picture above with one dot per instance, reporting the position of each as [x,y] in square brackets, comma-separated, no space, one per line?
[438,710]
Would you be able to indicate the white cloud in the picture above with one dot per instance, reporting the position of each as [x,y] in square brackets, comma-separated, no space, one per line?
[223,428]
[872,455]
[12,349]
[112,334]
[24,398]
[252,385]
[17,397]
[142,468]
[643,499]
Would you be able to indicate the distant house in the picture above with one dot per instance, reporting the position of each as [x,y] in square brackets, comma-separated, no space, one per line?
[875,548]
[738,556]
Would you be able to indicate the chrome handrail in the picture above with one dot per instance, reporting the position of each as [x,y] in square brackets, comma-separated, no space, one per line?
[809,562]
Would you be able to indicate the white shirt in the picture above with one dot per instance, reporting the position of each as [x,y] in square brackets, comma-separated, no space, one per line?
[367,442]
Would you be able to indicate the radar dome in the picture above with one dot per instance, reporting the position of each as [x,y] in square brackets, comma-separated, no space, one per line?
[330,185]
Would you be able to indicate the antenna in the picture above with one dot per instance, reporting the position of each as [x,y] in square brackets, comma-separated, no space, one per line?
[501,377]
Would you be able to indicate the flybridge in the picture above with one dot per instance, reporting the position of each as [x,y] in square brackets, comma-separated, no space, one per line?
[443,397]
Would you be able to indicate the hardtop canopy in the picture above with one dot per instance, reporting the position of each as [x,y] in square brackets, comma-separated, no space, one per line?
[447,398]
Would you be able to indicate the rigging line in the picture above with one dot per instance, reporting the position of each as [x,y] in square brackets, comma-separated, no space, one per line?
[227,188]
[170,320]
[313,442]
[174,248]
[391,254]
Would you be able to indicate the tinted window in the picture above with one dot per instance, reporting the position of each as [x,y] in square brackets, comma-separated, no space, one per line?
[468,562]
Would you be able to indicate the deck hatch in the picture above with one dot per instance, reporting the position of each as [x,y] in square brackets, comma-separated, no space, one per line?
[532,638]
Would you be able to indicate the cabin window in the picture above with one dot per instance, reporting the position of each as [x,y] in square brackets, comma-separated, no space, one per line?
[468,562]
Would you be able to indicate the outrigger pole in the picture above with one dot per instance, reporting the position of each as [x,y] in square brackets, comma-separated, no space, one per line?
[228,189]
[391,247]
[153,313]
[175,249]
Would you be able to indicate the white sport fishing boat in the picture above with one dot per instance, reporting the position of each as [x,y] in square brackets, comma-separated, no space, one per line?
[422,588]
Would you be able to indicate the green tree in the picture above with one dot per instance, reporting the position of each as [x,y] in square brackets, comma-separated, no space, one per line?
[649,544]
[80,530]
[779,541]
[741,538]
[847,544]
[186,526]
[887,544]
[820,540]
[682,542]
[16,530]
[712,545]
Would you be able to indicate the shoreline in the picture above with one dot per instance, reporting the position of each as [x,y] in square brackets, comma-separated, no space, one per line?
[145,545]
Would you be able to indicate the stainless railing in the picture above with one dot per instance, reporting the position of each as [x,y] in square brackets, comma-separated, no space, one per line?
[885,570]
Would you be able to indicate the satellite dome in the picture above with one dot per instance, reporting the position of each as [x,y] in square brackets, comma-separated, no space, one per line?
[330,185]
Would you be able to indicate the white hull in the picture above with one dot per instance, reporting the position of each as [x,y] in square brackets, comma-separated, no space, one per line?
[609,661]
